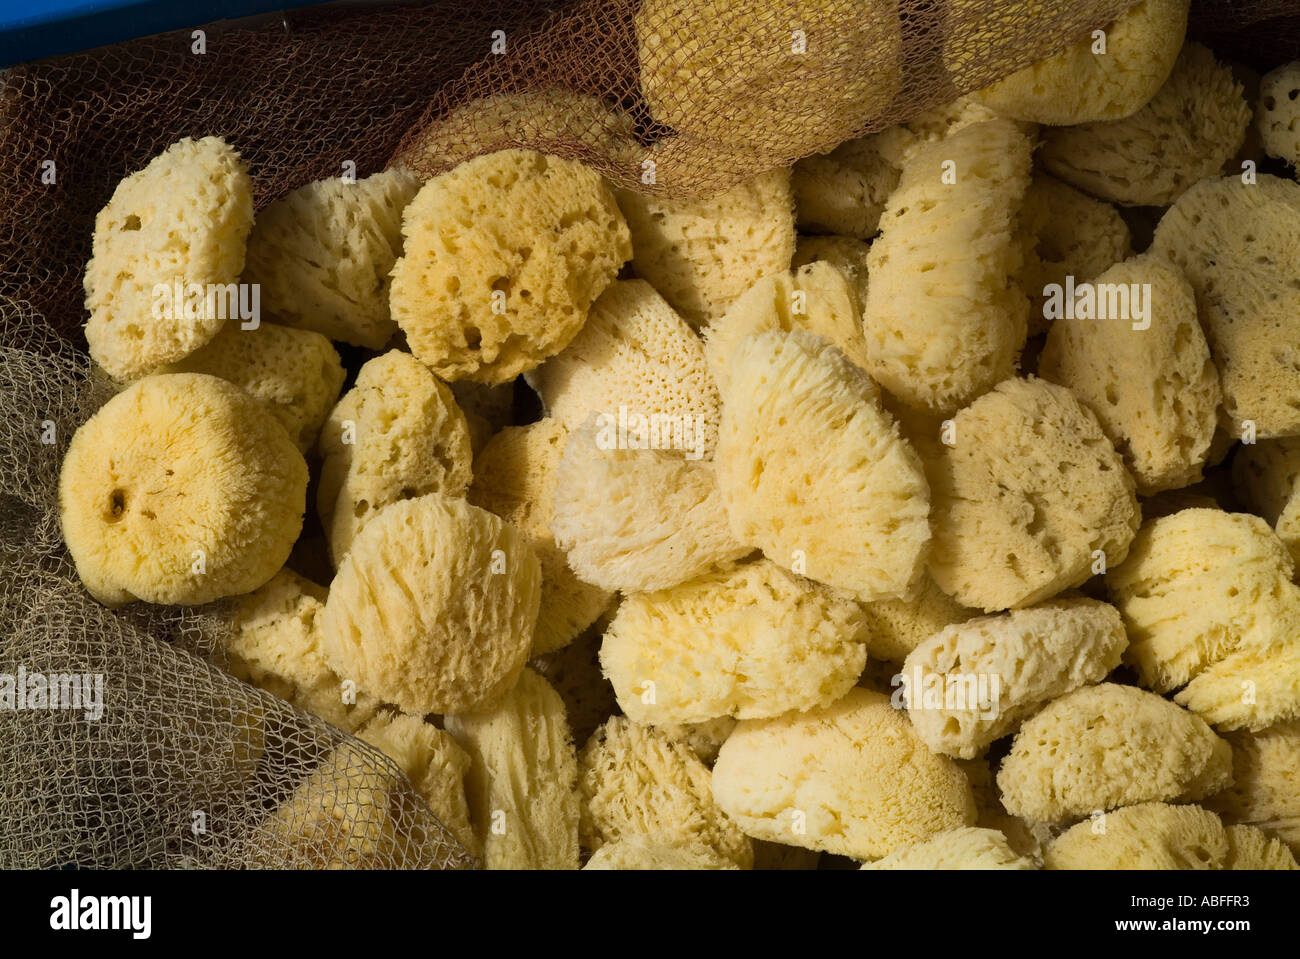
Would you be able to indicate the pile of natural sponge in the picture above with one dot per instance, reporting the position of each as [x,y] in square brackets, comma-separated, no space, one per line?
[905,508]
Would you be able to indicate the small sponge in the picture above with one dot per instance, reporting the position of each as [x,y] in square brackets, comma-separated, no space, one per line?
[1278,112]
[966,848]
[1267,477]
[843,191]
[1265,790]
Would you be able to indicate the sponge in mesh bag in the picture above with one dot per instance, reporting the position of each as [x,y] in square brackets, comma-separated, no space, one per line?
[1277,113]
[895,627]
[274,643]
[814,472]
[183,219]
[635,781]
[1193,126]
[1265,790]
[1101,747]
[514,477]
[852,778]
[433,608]
[1239,247]
[1080,86]
[816,298]
[701,254]
[635,357]
[523,779]
[750,642]
[396,434]
[729,70]
[945,317]
[702,738]
[436,766]
[640,852]
[1149,379]
[322,255]
[180,490]
[843,191]
[1265,475]
[966,848]
[637,519]
[846,254]
[974,682]
[1026,495]
[1156,835]
[503,257]
[1065,233]
[297,373]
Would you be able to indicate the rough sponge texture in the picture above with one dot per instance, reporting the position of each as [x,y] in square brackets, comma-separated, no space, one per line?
[1036,655]
[297,373]
[180,490]
[433,609]
[1101,747]
[638,519]
[945,318]
[702,254]
[433,762]
[844,191]
[1239,246]
[1266,475]
[514,477]
[1155,390]
[1277,113]
[634,781]
[185,217]
[636,355]
[323,253]
[1265,790]
[396,434]
[852,778]
[1079,86]
[846,254]
[1193,126]
[637,852]
[895,627]
[274,643]
[1028,491]
[751,642]
[523,778]
[736,57]
[816,298]
[814,472]
[503,257]
[966,848]
[1251,848]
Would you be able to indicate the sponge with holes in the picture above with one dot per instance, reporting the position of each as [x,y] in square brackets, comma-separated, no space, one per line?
[1278,112]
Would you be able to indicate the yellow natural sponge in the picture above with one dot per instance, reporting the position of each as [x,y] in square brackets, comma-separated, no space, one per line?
[895,627]
[945,317]
[433,608]
[750,642]
[180,490]
[1265,476]
[322,255]
[638,852]
[966,848]
[846,254]
[1101,747]
[813,471]
[1277,113]
[183,219]
[1265,790]
[843,191]
[1024,498]
[503,257]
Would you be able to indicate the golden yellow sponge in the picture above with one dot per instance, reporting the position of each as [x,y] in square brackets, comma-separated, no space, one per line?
[813,471]
[297,373]
[843,191]
[1080,85]
[1278,112]
[396,434]
[1146,373]
[503,257]
[1105,746]
[1026,496]
[945,317]
[183,219]
[1265,475]
[1265,790]
[895,627]
[634,781]
[180,490]
[701,254]
[976,681]
[751,642]
[523,779]
[322,255]
[1238,246]
[966,848]
[846,254]
[434,606]
[514,477]
[852,778]
[1193,126]
[635,357]
[638,852]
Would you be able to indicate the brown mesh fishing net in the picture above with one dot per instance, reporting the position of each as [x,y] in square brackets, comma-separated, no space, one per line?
[183,765]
